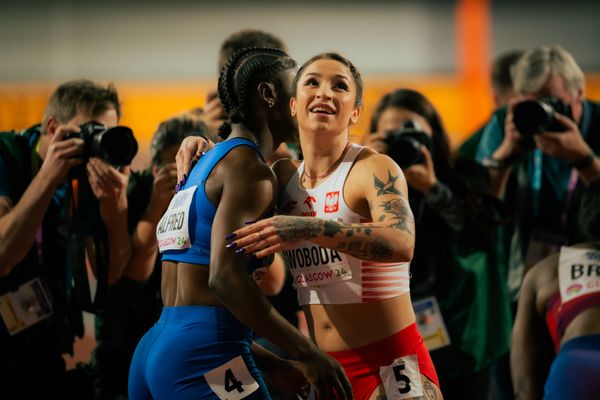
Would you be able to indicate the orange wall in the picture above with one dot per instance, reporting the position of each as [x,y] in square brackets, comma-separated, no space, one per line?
[145,105]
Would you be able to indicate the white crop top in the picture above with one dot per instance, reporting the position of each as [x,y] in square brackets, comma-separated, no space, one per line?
[326,276]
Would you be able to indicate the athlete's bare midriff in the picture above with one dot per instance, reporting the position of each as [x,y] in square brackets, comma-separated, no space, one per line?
[185,284]
[586,323]
[337,327]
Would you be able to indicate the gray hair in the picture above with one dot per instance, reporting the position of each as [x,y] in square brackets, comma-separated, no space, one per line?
[534,68]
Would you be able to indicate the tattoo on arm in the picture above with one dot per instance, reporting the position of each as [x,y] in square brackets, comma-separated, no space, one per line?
[299,228]
[400,213]
[331,228]
[379,250]
[429,392]
[387,187]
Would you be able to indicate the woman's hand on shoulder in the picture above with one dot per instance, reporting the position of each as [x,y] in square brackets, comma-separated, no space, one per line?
[190,150]
[421,176]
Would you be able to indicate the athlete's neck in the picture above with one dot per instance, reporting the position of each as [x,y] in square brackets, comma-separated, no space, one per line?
[262,138]
[321,155]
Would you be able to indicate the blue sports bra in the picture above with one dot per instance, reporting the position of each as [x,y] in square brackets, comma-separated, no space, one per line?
[202,210]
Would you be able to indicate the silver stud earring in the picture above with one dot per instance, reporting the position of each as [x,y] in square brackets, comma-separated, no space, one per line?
[270,103]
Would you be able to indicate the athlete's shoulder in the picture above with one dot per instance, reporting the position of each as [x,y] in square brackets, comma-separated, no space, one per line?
[284,169]
[370,160]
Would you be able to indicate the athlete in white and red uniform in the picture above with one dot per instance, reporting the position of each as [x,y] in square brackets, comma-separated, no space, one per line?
[329,276]
[348,237]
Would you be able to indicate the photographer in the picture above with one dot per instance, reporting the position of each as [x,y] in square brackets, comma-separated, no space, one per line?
[454,259]
[44,224]
[542,145]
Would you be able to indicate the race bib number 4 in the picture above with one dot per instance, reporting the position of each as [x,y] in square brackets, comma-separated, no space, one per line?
[232,380]
[402,379]
[172,232]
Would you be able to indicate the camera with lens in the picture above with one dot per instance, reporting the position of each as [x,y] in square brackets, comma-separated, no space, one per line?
[116,146]
[532,117]
[404,144]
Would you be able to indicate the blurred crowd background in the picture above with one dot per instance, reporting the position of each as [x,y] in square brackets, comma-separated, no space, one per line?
[161,56]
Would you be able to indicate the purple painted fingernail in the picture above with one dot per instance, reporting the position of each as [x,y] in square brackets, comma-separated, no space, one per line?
[240,251]
[177,188]
[231,245]
[249,222]
[230,236]
[184,177]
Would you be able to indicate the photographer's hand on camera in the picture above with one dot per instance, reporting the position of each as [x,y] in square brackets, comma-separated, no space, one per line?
[143,241]
[376,141]
[163,189]
[512,142]
[62,154]
[500,163]
[20,222]
[568,145]
[421,177]
[110,188]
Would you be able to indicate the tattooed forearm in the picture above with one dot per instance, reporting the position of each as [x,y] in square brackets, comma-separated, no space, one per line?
[331,228]
[400,214]
[388,187]
[379,250]
[297,228]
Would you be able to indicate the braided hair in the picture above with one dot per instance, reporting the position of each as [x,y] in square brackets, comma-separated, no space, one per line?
[243,68]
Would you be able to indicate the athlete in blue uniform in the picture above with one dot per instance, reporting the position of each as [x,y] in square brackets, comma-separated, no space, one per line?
[564,290]
[201,347]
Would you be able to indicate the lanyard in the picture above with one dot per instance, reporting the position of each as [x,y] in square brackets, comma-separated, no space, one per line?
[74,247]
[536,183]
[35,163]
[573,178]
[536,187]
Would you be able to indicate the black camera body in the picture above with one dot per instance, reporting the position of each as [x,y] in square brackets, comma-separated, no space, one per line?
[404,145]
[116,146]
[532,117]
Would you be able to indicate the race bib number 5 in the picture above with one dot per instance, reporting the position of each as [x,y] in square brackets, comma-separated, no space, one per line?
[172,232]
[402,379]
[232,380]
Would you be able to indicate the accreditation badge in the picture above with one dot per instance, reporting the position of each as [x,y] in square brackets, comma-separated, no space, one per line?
[431,323]
[25,307]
